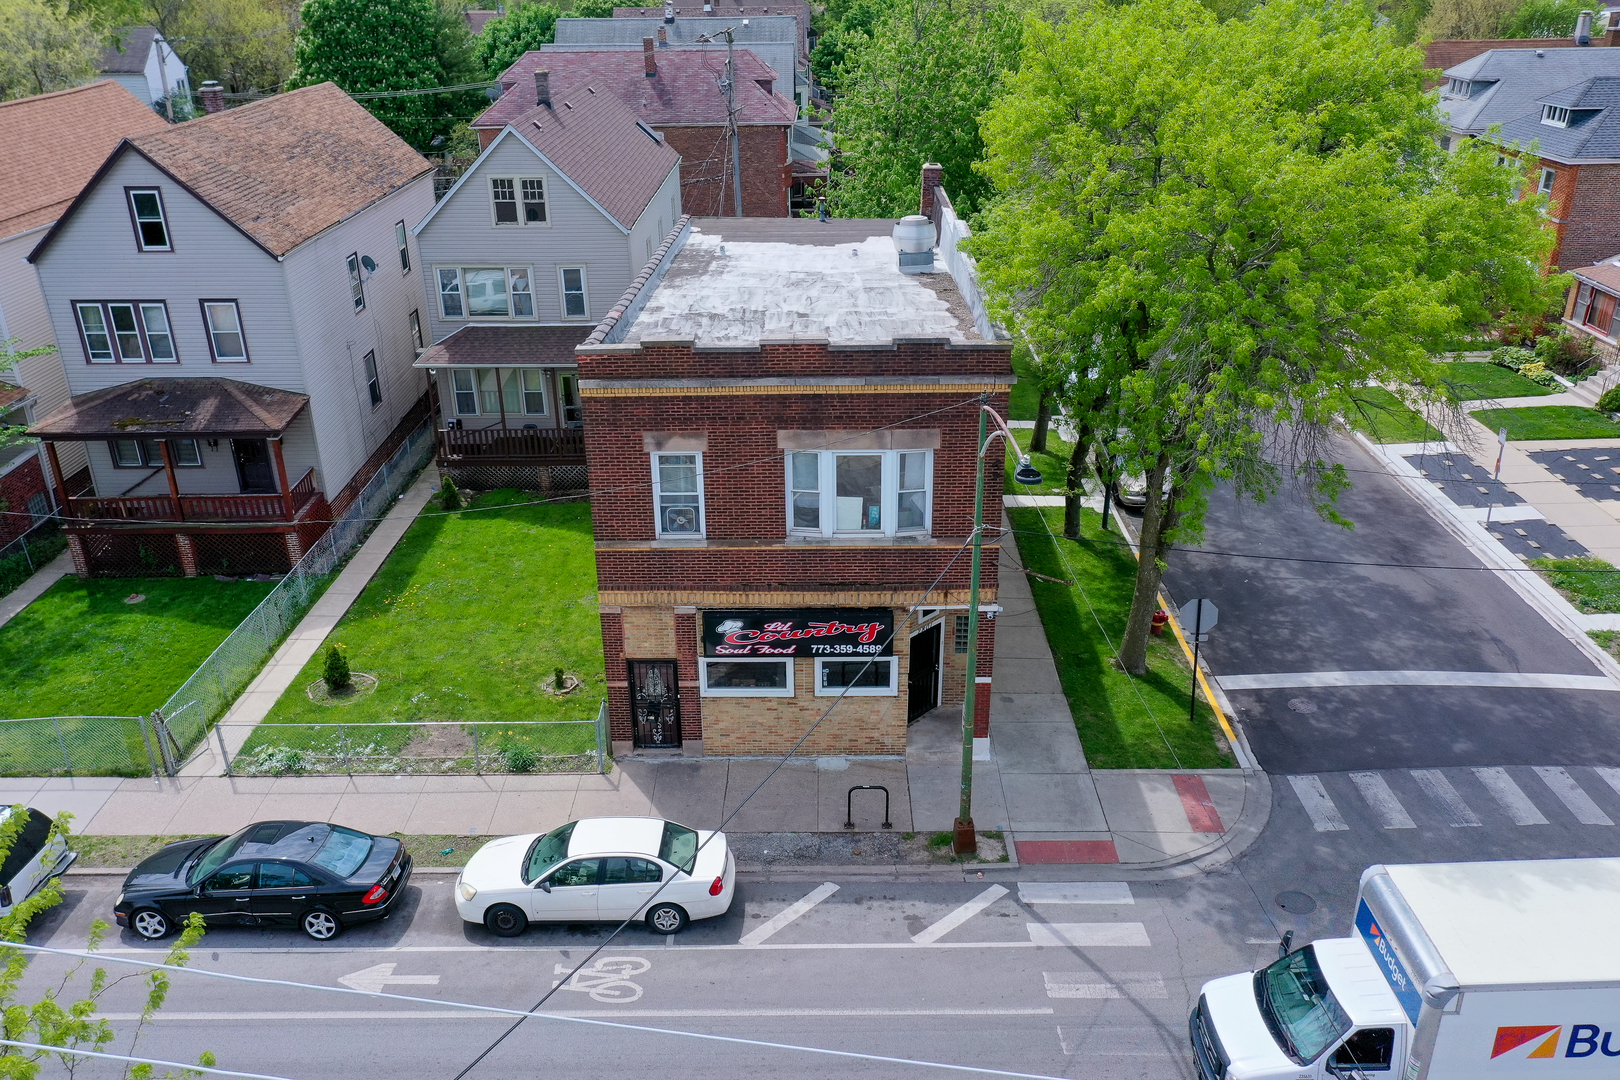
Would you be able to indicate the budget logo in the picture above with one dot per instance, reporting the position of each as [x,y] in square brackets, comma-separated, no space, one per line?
[1509,1039]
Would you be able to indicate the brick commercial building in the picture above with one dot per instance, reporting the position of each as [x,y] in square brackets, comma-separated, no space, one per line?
[781,431]
[675,91]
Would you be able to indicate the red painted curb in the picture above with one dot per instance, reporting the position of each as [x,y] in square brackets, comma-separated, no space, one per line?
[1201,812]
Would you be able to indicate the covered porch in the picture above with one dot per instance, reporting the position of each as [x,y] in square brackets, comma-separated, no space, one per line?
[194,479]
[506,406]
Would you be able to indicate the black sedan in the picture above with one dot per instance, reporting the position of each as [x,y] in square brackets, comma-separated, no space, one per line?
[318,876]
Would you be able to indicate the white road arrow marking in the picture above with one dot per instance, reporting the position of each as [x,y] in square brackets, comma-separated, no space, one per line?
[378,976]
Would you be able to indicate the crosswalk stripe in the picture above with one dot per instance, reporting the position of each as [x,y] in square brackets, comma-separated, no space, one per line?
[1512,797]
[1103,985]
[788,914]
[1317,803]
[1610,775]
[1375,789]
[961,915]
[1438,788]
[1089,935]
[1572,795]
[1075,892]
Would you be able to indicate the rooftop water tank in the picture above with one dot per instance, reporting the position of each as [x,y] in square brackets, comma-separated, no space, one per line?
[914,239]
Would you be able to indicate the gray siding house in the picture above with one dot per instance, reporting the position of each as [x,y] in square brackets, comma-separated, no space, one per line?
[519,261]
[238,308]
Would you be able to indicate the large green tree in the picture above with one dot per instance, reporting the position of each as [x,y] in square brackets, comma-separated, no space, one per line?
[527,26]
[912,92]
[1230,229]
[44,47]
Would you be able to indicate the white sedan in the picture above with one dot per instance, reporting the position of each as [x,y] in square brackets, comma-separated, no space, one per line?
[599,869]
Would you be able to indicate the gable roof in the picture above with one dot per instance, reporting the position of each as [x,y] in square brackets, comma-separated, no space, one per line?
[54,144]
[281,169]
[1594,123]
[775,39]
[1605,274]
[1516,79]
[130,52]
[478,18]
[686,90]
[595,143]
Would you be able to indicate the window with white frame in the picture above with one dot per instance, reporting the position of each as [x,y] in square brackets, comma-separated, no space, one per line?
[678,494]
[463,384]
[573,413]
[747,678]
[151,226]
[1555,116]
[148,453]
[373,382]
[534,391]
[513,392]
[486,292]
[400,239]
[416,329]
[503,194]
[1545,185]
[877,676]
[518,200]
[227,343]
[571,282]
[859,492]
[534,200]
[357,287]
[1457,88]
[126,332]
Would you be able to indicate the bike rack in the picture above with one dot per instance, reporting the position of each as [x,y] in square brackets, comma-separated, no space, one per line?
[849,804]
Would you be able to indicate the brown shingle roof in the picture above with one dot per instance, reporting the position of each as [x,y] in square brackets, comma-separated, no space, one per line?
[286,167]
[129,54]
[222,408]
[55,142]
[685,91]
[10,395]
[502,346]
[477,19]
[1605,275]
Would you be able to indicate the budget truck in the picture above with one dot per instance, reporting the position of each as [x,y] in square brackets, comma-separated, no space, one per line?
[1455,971]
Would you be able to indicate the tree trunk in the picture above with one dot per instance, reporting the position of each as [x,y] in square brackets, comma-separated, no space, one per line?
[1074,484]
[1157,519]
[1043,419]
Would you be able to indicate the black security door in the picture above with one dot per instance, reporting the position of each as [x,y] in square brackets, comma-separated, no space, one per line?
[253,466]
[655,703]
[922,685]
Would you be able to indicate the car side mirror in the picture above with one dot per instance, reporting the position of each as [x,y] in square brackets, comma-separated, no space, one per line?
[543,884]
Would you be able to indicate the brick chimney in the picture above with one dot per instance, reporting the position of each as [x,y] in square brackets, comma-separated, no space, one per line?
[213,97]
[542,87]
[663,38]
[648,57]
[932,176]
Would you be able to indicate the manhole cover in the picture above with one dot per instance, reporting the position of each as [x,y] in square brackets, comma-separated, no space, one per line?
[1302,704]
[1295,903]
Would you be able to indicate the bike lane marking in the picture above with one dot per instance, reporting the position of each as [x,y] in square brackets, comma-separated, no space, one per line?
[961,915]
[782,918]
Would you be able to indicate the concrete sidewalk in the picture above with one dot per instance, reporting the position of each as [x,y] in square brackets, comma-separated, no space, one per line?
[32,589]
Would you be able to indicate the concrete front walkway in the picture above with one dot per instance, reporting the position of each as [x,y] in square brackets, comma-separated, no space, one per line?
[32,589]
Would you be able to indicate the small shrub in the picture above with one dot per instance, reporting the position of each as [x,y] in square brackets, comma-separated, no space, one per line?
[272,761]
[449,495]
[520,758]
[560,683]
[1511,357]
[1570,355]
[337,674]
[941,839]
[1610,401]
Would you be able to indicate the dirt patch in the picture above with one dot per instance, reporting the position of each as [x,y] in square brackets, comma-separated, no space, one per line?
[360,685]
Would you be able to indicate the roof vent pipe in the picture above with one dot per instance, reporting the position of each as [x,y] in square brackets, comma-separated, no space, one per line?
[651,61]
[1583,28]
[542,87]
[669,13]
[914,240]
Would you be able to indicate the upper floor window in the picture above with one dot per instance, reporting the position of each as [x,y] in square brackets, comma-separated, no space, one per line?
[223,320]
[151,227]
[373,382]
[400,239]
[1545,185]
[859,493]
[134,332]
[518,200]
[678,494]
[357,286]
[1457,88]
[571,280]
[493,292]
[416,329]
[1555,116]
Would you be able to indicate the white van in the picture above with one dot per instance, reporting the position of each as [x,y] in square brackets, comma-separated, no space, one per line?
[35,857]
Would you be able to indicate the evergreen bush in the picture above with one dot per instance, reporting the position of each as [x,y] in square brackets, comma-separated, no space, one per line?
[337,674]
[449,495]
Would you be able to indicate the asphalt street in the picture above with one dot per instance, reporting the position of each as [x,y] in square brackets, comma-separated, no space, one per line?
[1395,593]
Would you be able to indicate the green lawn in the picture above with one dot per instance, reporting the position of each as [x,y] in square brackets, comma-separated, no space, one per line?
[80,650]
[1591,584]
[1480,381]
[467,620]
[1025,397]
[1053,462]
[1550,422]
[1384,418]
[1124,722]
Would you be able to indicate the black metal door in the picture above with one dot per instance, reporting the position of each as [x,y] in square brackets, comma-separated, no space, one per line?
[655,703]
[253,466]
[922,684]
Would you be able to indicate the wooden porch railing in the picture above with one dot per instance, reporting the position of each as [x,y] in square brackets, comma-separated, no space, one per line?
[197,507]
[511,446]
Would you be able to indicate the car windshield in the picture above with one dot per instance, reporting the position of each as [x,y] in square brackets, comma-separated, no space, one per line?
[679,846]
[547,851]
[344,851]
[216,855]
[1298,1006]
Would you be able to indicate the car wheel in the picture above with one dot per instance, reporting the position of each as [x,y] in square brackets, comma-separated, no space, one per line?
[666,919]
[150,924]
[506,920]
[321,925]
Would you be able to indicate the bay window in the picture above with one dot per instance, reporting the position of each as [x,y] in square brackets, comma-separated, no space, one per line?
[859,493]
[747,678]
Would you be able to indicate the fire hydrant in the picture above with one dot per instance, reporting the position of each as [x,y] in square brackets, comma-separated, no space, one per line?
[1160,618]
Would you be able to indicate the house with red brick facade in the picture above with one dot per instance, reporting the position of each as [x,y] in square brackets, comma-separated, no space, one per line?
[781,429]
[1592,307]
[676,91]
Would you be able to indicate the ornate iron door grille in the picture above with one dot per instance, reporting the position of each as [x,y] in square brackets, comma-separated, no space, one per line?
[656,703]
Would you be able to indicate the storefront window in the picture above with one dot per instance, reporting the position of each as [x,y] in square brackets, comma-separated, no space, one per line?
[834,677]
[748,678]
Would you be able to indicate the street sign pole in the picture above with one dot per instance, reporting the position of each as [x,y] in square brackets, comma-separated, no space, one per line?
[1496,477]
[1192,698]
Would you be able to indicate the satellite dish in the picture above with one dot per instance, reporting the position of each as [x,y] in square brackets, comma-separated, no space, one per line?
[369,263]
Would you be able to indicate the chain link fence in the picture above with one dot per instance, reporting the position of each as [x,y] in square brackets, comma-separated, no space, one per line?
[226,673]
[80,746]
[22,555]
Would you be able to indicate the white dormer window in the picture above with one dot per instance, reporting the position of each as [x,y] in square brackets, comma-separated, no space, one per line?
[1457,88]
[1555,116]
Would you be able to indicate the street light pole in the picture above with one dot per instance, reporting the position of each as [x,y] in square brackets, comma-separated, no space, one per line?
[965,839]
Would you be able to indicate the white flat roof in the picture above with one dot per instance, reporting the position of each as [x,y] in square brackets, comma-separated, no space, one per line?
[1517,923]
[735,282]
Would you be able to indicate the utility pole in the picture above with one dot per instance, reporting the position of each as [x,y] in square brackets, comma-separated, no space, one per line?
[163,74]
[731,121]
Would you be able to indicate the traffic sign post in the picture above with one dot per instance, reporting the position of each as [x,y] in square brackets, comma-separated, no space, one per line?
[1198,619]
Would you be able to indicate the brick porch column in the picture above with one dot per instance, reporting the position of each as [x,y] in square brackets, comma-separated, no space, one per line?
[188,554]
[295,548]
[81,561]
